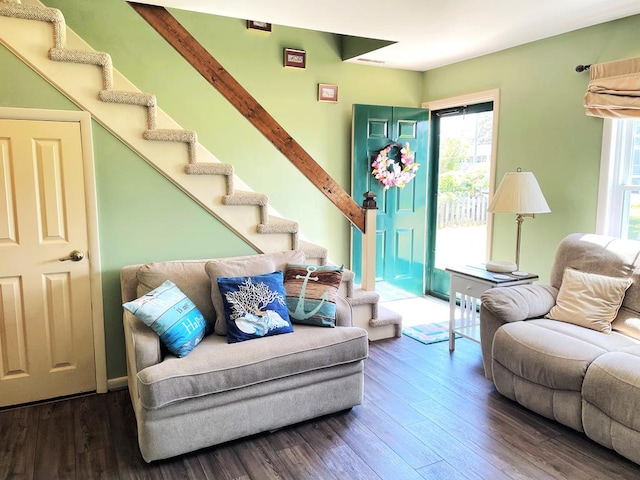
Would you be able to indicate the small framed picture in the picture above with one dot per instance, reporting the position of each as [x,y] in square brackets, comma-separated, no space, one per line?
[295,58]
[263,26]
[327,93]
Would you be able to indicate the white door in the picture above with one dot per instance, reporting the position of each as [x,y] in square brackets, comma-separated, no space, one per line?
[46,333]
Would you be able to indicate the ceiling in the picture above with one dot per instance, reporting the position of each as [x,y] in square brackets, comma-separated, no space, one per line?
[427,33]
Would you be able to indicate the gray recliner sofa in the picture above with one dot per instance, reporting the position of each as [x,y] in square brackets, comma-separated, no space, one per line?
[221,391]
[580,377]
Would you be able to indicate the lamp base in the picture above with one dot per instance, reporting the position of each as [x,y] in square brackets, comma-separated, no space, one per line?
[500,266]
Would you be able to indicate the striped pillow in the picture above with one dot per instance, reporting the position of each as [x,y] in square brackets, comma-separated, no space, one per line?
[311,293]
[170,314]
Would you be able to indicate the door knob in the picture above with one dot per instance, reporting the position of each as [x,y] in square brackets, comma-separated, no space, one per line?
[74,256]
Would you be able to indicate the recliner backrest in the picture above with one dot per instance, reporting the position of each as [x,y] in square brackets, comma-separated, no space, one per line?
[609,256]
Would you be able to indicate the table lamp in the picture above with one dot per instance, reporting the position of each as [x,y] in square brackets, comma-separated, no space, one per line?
[518,193]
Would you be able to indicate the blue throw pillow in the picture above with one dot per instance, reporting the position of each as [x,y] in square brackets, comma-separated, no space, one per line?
[254,306]
[170,314]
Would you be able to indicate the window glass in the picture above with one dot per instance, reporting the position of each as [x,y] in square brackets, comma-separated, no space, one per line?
[619,197]
[464,167]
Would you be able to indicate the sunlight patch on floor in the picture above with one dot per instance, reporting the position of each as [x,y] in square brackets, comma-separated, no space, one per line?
[419,310]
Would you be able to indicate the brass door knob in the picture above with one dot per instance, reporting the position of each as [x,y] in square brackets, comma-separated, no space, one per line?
[74,256]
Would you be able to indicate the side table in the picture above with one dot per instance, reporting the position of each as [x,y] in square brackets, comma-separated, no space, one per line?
[469,282]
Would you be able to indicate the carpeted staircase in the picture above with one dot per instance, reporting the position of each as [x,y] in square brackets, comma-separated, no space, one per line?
[116,105]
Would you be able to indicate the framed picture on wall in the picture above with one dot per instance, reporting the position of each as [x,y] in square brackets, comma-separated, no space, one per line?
[327,93]
[295,58]
[263,26]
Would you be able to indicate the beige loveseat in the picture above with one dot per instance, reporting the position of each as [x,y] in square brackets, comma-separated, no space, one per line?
[580,377]
[221,391]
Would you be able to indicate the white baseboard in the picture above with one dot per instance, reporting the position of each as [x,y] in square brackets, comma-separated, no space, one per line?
[116,383]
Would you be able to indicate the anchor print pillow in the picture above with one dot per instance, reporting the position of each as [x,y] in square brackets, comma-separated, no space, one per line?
[254,306]
[311,293]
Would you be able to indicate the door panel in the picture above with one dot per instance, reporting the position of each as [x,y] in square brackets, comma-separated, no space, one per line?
[401,216]
[7,194]
[46,335]
[403,257]
[12,341]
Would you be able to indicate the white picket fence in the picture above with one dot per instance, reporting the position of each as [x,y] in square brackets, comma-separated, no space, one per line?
[462,211]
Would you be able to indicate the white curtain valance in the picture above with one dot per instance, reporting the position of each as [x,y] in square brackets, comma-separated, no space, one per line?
[614,89]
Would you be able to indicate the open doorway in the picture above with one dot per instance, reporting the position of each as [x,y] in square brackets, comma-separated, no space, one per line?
[463,142]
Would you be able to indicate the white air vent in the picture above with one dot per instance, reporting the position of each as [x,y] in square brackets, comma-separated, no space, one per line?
[370,60]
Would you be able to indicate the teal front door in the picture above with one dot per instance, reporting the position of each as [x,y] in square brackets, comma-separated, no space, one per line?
[402,212]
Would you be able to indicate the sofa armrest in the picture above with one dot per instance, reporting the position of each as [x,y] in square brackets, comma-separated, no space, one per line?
[142,344]
[344,314]
[520,302]
[511,304]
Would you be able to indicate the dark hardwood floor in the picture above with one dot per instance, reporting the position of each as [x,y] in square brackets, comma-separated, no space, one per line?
[426,414]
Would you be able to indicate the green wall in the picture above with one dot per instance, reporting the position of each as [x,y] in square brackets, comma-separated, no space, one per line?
[543,128]
[138,207]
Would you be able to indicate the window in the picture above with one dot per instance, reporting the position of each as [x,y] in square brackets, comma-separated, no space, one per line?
[619,191]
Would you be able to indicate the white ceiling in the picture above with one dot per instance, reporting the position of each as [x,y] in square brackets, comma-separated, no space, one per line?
[428,33]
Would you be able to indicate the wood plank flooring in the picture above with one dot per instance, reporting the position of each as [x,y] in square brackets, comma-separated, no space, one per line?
[426,414]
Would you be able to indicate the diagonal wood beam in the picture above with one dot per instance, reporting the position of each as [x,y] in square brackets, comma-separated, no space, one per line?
[194,53]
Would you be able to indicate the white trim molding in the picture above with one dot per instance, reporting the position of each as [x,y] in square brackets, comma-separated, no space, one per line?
[605,184]
[117,383]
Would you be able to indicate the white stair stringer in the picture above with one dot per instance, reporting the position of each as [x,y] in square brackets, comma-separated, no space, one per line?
[29,30]
[39,37]
[380,322]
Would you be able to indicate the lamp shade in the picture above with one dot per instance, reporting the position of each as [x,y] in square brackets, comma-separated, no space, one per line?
[519,193]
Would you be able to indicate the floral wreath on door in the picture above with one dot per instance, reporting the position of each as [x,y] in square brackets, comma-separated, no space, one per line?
[394,166]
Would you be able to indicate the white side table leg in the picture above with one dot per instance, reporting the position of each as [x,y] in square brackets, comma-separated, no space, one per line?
[452,321]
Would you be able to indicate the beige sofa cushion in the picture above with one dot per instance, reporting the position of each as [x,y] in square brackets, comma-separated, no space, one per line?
[189,276]
[216,366]
[243,267]
[553,354]
[612,384]
[611,395]
[589,300]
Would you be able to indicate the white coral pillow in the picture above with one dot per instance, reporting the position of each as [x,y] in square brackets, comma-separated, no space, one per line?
[589,300]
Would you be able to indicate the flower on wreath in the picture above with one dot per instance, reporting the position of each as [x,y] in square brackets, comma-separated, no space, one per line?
[391,172]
